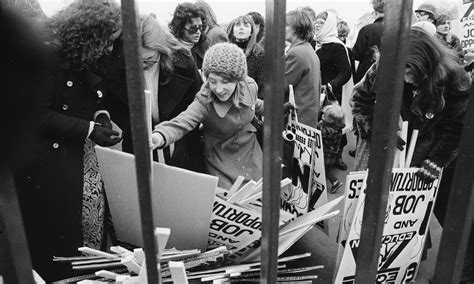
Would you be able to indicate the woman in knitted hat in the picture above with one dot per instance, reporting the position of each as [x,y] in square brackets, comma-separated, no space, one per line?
[225,105]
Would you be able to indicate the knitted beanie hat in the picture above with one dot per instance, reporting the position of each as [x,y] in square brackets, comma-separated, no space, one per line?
[226,59]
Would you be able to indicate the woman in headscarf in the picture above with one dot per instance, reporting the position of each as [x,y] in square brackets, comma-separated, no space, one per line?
[243,33]
[335,68]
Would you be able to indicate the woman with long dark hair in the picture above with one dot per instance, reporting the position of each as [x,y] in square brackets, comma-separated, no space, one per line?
[243,33]
[434,102]
[188,26]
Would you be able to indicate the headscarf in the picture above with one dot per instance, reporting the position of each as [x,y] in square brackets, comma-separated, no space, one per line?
[328,32]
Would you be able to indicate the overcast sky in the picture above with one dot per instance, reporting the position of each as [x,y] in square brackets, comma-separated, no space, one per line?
[226,10]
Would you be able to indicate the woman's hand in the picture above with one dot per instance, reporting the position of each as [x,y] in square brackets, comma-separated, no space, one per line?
[157,140]
[287,107]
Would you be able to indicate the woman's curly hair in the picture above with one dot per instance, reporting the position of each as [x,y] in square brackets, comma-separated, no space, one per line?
[183,14]
[83,31]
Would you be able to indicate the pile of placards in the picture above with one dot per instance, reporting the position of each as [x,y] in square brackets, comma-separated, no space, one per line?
[409,207]
[233,247]
[176,266]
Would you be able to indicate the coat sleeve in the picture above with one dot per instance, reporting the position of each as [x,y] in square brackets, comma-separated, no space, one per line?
[449,129]
[294,69]
[260,74]
[360,46]
[176,128]
[56,123]
[343,66]
[363,102]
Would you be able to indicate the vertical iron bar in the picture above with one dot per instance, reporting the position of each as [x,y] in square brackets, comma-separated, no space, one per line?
[460,207]
[273,113]
[389,88]
[15,263]
[139,123]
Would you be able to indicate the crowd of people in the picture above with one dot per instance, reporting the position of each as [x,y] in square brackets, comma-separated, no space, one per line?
[206,82]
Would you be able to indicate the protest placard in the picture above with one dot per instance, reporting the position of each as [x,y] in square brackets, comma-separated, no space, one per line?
[466,25]
[296,199]
[319,193]
[409,207]
[234,227]
[173,189]
[298,227]
[355,181]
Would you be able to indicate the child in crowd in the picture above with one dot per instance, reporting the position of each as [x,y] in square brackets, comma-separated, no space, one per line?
[331,125]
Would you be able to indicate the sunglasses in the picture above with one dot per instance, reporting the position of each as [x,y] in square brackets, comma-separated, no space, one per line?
[194,28]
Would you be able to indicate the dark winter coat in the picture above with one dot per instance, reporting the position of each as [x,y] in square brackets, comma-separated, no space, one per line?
[454,44]
[255,68]
[52,200]
[368,37]
[438,137]
[176,92]
[335,67]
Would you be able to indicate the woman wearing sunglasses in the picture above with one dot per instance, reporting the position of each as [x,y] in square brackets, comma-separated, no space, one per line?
[188,26]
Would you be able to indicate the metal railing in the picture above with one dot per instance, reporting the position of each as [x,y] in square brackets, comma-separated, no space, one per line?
[455,234]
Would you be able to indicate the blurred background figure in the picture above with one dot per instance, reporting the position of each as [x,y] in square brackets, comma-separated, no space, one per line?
[243,33]
[343,31]
[259,22]
[368,41]
[426,12]
[25,68]
[443,32]
[214,33]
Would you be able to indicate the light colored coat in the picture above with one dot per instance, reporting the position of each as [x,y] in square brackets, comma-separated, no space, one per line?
[302,70]
[230,145]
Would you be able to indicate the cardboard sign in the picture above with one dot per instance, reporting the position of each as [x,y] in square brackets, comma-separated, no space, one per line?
[354,183]
[409,208]
[234,227]
[296,199]
[294,230]
[319,193]
[466,25]
[173,190]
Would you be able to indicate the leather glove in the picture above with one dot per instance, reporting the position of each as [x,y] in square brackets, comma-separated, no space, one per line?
[400,143]
[104,136]
[157,140]
[104,120]
[429,170]
[287,107]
